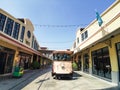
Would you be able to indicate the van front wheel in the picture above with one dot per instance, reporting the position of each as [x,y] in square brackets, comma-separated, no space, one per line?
[52,74]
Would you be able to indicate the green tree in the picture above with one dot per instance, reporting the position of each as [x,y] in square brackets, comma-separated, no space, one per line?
[74,65]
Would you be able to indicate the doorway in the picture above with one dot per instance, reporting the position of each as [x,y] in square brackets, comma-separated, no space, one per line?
[3,56]
[6,60]
[118,56]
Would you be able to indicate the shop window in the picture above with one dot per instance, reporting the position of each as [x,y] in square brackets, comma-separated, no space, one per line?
[86,63]
[2,62]
[79,63]
[9,63]
[94,63]
[25,60]
[6,60]
[101,63]
[2,21]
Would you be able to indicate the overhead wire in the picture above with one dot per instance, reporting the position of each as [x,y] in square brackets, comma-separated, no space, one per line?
[59,26]
[58,42]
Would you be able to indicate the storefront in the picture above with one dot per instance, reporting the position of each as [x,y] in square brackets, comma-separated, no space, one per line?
[86,63]
[6,60]
[101,63]
[103,43]
[25,60]
[79,63]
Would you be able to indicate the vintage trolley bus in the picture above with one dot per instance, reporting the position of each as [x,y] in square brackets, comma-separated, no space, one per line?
[62,64]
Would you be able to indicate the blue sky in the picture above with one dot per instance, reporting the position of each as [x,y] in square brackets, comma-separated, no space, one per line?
[59,15]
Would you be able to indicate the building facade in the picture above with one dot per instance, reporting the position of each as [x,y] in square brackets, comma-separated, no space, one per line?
[18,44]
[46,52]
[97,48]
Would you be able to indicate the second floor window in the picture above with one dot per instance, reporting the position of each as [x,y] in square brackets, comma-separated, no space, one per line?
[35,45]
[2,21]
[9,26]
[22,34]
[29,34]
[16,30]
[32,41]
[84,35]
[77,40]
[74,44]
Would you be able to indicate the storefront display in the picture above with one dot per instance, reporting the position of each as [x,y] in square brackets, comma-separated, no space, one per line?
[101,63]
[6,60]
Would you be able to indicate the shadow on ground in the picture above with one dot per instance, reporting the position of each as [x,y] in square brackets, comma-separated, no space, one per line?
[26,80]
[75,77]
[75,74]
[43,80]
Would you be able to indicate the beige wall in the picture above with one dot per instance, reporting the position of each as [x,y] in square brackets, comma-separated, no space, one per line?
[111,20]
[28,26]
[17,50]
[113,53]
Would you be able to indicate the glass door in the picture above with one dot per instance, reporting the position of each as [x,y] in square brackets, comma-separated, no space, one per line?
[79,63]
[3,56]
[86,63]
[9,63]
[101,63]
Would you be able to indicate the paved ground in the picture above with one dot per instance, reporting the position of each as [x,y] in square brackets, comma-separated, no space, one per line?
[18,83]
[42,80]
[80,81]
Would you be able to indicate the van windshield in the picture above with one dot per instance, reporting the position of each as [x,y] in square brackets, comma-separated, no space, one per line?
[61,56]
